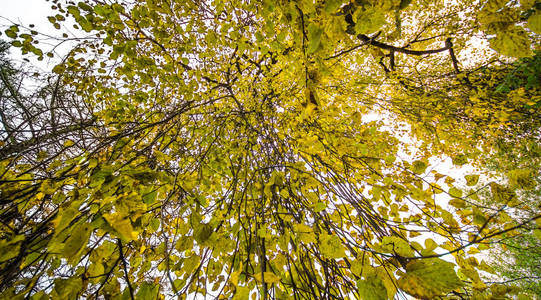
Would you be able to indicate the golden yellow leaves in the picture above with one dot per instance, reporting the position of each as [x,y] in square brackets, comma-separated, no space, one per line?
[314,38]
[122,225]
[396,245]
[494,5]
[472,179]
[331,246]
[368,19]
[341,144]
[534,22]
[511,39]
[372,288]
[429,278]
[502,194]
[266,277]
[304,233]
[521,178]
[513,42]
[9,248]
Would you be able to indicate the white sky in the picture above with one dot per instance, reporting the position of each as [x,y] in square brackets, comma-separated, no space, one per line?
[26,12]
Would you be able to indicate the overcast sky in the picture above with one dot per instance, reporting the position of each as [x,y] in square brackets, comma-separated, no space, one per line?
[26,12]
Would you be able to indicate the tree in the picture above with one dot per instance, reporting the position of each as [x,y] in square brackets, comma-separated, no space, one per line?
[516,154]
[218,148]
[519,263]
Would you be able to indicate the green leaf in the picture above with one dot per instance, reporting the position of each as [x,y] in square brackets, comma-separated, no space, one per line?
[96,269]
[92,163]
[419,167]
[85,7]
[512,42]
[534,22]
[458,203]
[332,5]
[372,288]
[502,194]
[202,233]
[64,217]
[78,238]
[369,19]
[147,291]
[537,233]
[320,206]
[521,178]
[314,38]
[9,248]
[10,33]
[357,266]
[454,192]
[268,277]
[122,225]
[430,245]
[150,197]
[479,217]
[404,4]
[429,278]
[460,160]
[331,246]
[394,244]
[73,10]
[242,293]
[471,179]
[304,233]
[67,288]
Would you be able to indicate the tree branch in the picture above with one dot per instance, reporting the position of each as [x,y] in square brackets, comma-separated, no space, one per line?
[125,264]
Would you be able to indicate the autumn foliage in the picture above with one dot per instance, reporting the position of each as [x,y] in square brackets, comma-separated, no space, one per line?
[270,149]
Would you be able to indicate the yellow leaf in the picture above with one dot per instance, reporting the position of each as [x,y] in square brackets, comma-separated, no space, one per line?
[268,277]
[202,232]
[471,179]
[331,246]
[512,42]
[394,244]
[77,240]
[314,38]
[494,5]
[430,244]
[122,226]
[69,143]
[372,288]
[458,203]
[419,167]
[242,293]
[534,22]
[304,233]
[9,248]
[429,278]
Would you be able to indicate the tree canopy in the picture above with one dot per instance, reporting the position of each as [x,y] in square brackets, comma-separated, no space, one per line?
[269,149]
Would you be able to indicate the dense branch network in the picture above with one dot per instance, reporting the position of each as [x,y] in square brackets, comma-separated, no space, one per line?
[220,149]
